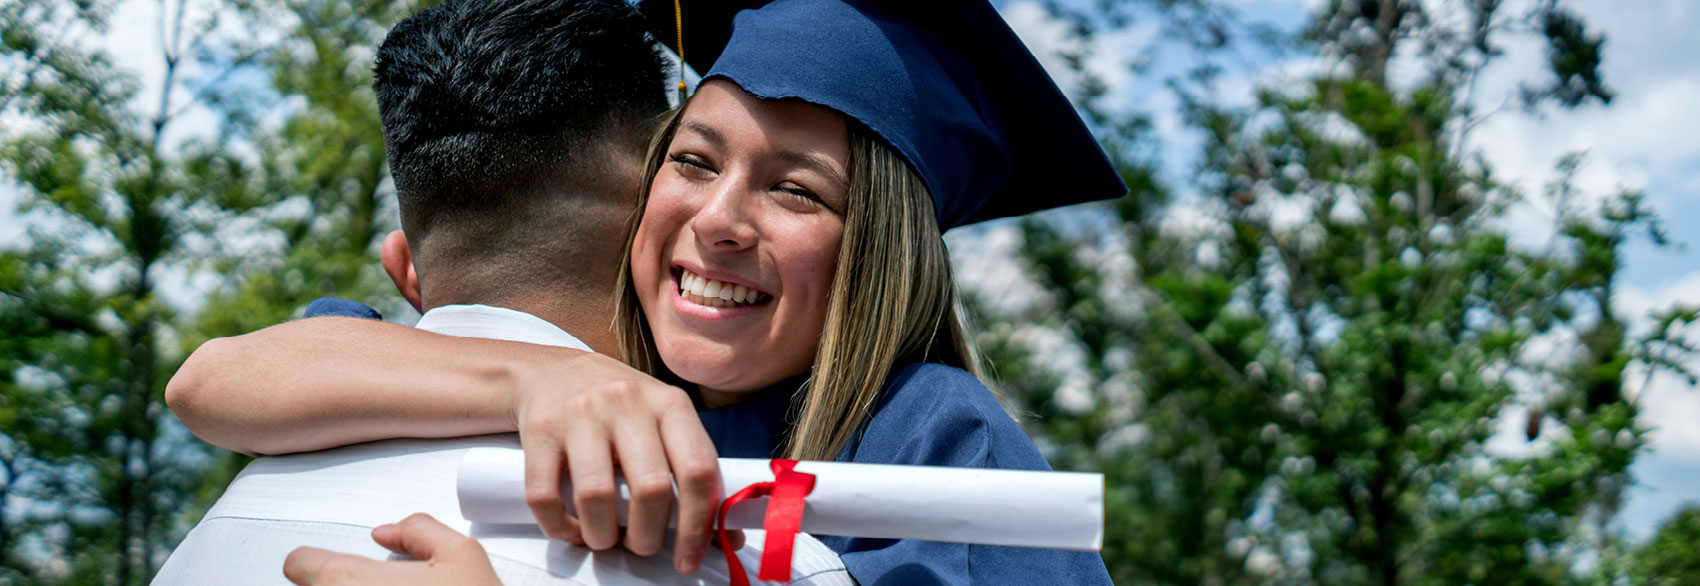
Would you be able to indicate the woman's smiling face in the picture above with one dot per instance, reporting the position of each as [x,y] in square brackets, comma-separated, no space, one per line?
[734,258]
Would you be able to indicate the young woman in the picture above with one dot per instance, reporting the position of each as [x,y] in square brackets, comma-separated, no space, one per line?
[788,271]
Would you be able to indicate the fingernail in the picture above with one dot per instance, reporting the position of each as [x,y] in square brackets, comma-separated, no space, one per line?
[688,564]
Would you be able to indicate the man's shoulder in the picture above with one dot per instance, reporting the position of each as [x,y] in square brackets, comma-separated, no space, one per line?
[347,459]
[330,499]
[366,485]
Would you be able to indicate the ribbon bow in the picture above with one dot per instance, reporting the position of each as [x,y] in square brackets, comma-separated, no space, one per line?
[784,516]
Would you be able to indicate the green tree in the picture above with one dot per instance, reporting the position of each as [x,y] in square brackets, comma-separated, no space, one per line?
[1668,558]
[324,166]
[96,167]
[1303,391]
[283,202]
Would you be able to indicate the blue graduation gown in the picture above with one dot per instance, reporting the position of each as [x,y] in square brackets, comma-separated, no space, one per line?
[928,414]
[933,415]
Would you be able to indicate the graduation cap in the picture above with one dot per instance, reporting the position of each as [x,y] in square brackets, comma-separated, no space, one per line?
[945,82]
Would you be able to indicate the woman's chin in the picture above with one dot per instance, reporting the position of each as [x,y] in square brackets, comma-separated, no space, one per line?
[719,371]
[714,365]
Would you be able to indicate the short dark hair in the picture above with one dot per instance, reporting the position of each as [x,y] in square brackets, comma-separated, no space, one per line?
[481,100]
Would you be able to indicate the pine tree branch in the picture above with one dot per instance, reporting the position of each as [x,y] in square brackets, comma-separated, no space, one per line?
[1207,352]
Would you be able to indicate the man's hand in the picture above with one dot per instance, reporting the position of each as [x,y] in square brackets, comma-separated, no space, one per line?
[616,417]
[443,557]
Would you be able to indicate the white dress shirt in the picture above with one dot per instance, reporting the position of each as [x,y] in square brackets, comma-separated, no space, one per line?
[332,499]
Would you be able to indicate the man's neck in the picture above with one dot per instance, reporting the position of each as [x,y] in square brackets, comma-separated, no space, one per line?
[586,317]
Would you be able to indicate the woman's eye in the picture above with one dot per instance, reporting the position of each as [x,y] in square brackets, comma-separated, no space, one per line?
[802,193]
[691,162]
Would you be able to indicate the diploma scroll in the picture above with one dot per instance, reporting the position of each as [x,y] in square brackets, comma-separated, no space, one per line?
[1060,510]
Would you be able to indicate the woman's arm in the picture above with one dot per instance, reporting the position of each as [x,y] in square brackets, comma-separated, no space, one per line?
[325,382]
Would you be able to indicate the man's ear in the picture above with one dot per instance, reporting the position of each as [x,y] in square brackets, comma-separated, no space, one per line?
[398,262]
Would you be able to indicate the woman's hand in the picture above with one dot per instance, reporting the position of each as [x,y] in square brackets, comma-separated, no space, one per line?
[615,417]
[442,556]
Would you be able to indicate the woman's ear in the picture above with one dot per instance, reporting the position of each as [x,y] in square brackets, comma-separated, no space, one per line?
[398,262]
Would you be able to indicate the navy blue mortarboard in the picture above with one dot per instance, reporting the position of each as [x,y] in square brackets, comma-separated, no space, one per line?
[945,82]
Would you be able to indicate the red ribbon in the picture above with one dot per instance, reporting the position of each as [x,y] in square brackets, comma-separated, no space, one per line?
[784,516]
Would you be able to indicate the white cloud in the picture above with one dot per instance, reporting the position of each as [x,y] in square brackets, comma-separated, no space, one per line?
[1668,474]
[986,259]
[1048,38]
[1667,403]
[1672,408]
[134,42]
[11,223]
[1198,219]
[1646,137]
[1109,55]
[1112,59]
[1635,303]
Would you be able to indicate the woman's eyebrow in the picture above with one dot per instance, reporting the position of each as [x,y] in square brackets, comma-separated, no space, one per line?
[707,132]
[818,163]
[812,161]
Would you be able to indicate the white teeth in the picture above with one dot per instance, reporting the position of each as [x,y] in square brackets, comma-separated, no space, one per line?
[706,291]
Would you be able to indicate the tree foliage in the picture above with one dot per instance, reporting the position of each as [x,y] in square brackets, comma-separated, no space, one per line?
[1306,385]
[1668,558]
[131,200]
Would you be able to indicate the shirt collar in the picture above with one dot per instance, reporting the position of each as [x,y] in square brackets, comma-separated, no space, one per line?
[496,323]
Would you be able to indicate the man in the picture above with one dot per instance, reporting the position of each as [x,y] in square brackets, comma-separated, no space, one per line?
[515,133]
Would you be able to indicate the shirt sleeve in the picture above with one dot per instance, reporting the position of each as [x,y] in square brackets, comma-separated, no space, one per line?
[935,415]
[334,307]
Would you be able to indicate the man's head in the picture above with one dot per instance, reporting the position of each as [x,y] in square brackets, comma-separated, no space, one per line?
[515,131]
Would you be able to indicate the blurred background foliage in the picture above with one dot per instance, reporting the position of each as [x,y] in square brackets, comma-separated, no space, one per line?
[284,199]
[1279,398]
[1303,391]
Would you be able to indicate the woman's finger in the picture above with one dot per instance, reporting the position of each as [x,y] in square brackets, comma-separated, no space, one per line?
[696,471]
[543,487]
[591,468]
[644,465]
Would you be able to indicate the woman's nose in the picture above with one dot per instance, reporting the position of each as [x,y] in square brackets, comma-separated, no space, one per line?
[725,220]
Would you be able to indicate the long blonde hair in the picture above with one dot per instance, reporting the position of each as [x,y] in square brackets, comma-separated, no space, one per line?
[893,298]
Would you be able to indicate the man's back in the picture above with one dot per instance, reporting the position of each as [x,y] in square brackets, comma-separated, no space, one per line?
[332,500]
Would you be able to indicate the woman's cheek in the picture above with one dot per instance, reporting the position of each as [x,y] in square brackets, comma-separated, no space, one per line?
[648,259]
[644,260]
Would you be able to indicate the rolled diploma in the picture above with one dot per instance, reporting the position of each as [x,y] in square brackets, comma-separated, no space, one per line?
[1060,510]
